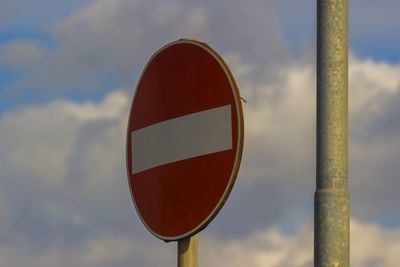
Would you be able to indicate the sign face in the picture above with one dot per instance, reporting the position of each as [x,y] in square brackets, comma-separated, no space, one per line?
[184,139]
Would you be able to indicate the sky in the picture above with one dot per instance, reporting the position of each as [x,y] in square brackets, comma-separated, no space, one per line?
[67,73]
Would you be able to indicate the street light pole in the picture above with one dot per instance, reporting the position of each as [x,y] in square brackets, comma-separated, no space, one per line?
[331,218]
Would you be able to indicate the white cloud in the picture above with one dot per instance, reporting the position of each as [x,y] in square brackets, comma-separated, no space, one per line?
[62,170]
[66,161]
[371,246]
[267,247]
[63,188]
[370,80]
[374,95]
[280,121]
[38,140]
[279,156]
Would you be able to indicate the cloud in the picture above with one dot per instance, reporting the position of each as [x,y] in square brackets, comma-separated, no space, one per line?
[63,192]
[279,159]
[64,197]
[371,246]
[374,143]
[62,167]
[375,35]
[266,247]
[108,42]
[101,252]
[64,188]
[28,15]
[368,38]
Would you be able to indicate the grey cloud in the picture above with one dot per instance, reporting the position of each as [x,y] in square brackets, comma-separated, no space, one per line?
[384,24]
[30,15]
[110,41]
[107,43]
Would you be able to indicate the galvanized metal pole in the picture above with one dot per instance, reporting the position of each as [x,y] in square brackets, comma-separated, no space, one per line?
[187,252]
[331,218]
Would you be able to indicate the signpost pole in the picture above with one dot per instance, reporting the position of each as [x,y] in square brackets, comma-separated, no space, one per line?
[331,219]
[187,252]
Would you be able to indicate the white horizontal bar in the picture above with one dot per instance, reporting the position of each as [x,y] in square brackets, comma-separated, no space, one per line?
[184,137]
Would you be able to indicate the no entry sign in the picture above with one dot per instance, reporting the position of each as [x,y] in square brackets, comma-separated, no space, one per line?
[184,139]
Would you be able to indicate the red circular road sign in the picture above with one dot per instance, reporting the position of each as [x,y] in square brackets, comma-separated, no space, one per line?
[184,139]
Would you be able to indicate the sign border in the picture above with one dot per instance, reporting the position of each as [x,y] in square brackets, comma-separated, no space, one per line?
[240,139]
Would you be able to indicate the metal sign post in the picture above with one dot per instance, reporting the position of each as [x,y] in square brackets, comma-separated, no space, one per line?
[187,252]
[331,219]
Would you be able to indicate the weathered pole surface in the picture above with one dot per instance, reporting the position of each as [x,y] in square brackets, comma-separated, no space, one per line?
[331,218]
[187,252]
